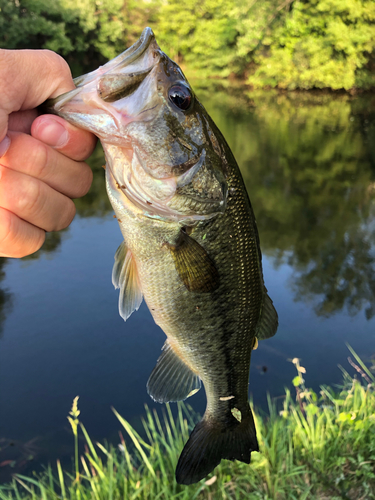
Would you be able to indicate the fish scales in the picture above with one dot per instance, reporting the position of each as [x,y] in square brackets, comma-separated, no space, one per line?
[191,246]
[225,320]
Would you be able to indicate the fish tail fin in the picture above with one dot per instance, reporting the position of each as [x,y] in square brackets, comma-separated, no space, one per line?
[212,441]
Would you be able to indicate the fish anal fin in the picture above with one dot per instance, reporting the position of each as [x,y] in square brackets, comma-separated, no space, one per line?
[193,264]
[268,321]
[125,277]
[172,379]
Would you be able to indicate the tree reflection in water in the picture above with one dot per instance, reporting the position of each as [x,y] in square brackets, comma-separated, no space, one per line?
[94,204]
[5,298]
[309,167]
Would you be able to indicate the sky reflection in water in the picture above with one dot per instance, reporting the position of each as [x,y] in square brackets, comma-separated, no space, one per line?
[309,165]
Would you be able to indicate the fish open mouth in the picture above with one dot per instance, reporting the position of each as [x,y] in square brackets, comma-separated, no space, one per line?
[129,97]
[129,58]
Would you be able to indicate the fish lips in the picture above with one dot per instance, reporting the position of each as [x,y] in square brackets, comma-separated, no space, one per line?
[92,104]
[99,105]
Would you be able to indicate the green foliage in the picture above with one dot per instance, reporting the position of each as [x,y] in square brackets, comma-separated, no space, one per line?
[319,43]
[27,25]
[287,44]
[317,446]
[87,31]
[202,34]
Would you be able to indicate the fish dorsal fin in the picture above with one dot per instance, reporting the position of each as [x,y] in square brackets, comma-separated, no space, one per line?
[172,379]
[125,277]
[193,264]
[268,321]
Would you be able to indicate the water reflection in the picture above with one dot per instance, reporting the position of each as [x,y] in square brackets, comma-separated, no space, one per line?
[5,297]
[309,168]
[308,163]
[51,244]
[96,202]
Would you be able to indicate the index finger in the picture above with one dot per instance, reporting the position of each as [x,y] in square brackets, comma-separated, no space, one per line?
[78,143]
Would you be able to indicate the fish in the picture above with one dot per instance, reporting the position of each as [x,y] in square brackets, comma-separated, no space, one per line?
[191,246]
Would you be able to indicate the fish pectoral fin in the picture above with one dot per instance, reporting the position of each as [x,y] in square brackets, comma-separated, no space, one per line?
[172,379]
[268,321]
[125,277]
[193,264]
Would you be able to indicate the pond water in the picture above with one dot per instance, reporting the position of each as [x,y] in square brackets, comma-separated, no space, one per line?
[308,161]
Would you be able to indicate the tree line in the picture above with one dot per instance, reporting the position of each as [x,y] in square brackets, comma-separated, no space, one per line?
[288,44]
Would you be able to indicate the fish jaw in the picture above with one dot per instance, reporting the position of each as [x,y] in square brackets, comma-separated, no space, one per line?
[85,106]
[166,165]
[172,162]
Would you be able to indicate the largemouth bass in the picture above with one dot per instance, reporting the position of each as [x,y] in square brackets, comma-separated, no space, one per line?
[191,246]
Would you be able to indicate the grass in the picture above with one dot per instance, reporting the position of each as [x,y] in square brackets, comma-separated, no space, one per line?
[316,446]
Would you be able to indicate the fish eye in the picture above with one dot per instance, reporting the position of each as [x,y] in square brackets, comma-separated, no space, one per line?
[180,96]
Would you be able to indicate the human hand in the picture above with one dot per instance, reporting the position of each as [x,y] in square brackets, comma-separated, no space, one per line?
[41,167]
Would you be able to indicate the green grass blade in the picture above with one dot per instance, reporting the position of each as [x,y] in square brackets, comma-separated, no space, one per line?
[89,442]
[136,441]
[61,479]
[360,362]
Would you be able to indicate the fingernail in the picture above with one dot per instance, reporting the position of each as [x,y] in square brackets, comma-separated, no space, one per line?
[52,133]
[4,146]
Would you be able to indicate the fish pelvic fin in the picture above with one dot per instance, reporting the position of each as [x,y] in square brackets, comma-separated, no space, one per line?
[209,443]
[125,277]
[268,321]
[172,379]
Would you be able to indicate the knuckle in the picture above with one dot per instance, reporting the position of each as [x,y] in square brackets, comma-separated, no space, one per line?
[7,232]
[70,213]
[66,217]
[30,199]
[12,240]
[57,64]
[37,242]
[39,160]
[31,246]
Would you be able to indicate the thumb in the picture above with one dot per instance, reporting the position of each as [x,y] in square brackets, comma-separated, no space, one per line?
[28,78]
